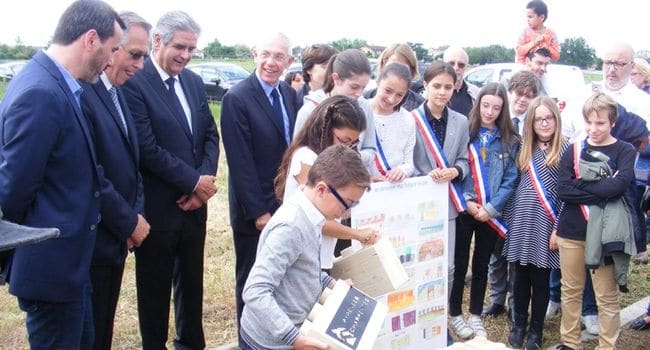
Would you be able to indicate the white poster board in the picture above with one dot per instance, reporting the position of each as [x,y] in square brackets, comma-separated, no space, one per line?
[413,215]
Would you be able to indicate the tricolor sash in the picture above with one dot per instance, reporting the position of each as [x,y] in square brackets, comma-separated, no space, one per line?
[577,150]
[542,194]
[380,159]
[433,146]
[482,189]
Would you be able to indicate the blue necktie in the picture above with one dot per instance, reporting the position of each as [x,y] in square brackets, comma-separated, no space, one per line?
[516,122]
[176,102]
[116,102]
[277,111]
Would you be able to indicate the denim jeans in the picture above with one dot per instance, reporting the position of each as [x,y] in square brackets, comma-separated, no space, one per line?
[52,325]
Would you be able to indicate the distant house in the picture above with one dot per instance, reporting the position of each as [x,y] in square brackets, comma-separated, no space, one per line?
[372,51]
[198,54]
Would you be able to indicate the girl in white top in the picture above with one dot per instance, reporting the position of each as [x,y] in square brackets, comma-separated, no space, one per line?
[337,120]
[394,127]
[347,74]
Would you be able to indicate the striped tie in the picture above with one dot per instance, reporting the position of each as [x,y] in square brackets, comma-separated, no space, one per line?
[116,102]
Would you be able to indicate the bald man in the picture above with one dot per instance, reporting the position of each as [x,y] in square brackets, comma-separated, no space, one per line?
[464,93]
[618,63]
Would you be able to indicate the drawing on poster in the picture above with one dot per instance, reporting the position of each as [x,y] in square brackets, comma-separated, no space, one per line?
[412,215]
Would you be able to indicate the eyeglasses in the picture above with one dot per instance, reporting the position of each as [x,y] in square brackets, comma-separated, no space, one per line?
[136,55]
[541,121]
[615,64]
[351,144]
[278,57]
[460,65]
[341,200]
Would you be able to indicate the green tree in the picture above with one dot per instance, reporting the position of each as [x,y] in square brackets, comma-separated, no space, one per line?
[490,54]
[576,52]
[421,53]
[344,44]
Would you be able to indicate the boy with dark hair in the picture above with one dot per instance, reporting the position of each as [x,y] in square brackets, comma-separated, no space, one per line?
[536,35]
[286,280]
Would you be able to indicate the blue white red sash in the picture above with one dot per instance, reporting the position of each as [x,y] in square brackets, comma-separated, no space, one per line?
[542,194]
[577,151]
[482,189]
[433,146]
[380,159]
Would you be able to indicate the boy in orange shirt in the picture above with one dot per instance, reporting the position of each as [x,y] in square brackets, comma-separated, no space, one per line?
[537,36]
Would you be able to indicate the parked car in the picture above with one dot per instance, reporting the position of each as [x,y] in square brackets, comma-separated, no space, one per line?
[9,69]
[562,82]
[218,77]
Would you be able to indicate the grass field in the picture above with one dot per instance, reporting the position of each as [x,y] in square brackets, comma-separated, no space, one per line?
[218,305]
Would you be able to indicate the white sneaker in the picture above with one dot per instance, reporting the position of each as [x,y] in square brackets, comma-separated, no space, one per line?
[476,324]
[591,324]
[552,309]
[460,327]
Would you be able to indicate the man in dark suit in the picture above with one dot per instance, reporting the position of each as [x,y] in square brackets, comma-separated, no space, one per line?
[179,148]
[49,175]
[257,118]
[122,202]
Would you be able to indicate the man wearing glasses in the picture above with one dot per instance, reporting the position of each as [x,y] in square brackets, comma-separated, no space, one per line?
[618,62]
[257,119]
[464,93]
[122,201]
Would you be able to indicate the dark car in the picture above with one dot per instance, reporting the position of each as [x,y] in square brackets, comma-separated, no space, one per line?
[9,69]
[218,77]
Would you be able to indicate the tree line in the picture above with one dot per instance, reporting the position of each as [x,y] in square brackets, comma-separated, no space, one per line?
[575,51]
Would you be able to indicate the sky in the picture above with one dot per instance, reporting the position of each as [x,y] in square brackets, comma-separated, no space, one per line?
[433,23]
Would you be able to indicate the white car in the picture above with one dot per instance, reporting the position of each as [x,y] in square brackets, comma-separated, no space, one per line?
[561,82]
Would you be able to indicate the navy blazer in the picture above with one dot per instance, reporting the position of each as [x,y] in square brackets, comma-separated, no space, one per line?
[254,143]
[48,178]
[118,155]
[171,158]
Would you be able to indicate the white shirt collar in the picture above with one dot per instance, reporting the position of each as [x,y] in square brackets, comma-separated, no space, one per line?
[106,81]
[314,215]
[163,75]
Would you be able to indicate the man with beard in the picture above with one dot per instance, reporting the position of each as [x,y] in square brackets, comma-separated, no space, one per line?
[49,175]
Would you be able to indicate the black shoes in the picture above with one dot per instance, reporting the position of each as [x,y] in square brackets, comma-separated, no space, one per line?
[640,325]
[517,332]
[563,347]
[535,337]
[494,310]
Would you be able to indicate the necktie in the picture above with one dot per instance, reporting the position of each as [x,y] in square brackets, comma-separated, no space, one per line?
[176,102]
[277,112]
[516,122]
[116,102]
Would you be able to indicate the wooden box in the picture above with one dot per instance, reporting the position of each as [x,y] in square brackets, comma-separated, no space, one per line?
[375,270]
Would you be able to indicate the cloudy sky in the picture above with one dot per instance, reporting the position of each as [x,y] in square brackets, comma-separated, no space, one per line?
[380,22]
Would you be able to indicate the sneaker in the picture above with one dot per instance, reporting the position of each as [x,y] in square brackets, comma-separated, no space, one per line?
[476,324]
[552,309]
[460,327]
[591,324]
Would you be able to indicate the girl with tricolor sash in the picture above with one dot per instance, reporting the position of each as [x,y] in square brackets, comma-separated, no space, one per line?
[492,150]
[441,145]
[531,216]
[581,195]
[337,120]
[394,126]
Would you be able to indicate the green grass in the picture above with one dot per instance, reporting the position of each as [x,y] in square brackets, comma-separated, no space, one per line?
[248,65]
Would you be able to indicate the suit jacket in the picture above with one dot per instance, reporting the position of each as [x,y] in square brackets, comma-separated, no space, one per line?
[48,178]
[118,154]
[254,142]
[454,148]
[171,158]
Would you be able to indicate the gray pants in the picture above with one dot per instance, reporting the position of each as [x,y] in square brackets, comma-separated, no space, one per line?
[501,277]
[451,249]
